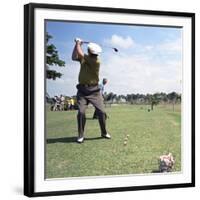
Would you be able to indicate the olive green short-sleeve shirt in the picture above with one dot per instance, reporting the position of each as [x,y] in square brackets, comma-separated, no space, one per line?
[89,71]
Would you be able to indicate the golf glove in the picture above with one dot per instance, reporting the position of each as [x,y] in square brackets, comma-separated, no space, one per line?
[77,40]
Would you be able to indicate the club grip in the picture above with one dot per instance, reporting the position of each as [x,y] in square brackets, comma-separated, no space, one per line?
[77,40]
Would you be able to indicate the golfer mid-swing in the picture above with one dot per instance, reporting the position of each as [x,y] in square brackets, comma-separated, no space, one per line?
[88,89]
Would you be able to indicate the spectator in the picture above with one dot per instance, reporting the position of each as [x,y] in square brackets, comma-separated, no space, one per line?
[56,101]
[62,102]
[72,104]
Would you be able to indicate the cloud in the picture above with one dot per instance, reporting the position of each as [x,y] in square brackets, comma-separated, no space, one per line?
[138,74]
[171,46]
[122,42]
[67,83]
[148,47]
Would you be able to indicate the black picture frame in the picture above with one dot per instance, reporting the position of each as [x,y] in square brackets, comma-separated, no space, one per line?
[29,96]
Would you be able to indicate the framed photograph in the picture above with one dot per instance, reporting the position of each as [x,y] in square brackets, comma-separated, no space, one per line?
[109,99]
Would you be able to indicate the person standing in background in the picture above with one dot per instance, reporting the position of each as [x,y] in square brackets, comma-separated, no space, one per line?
[101,86]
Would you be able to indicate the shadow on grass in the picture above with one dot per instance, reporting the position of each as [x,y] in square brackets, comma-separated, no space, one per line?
[156,171]
[61,140]
[68,140]
[94,138]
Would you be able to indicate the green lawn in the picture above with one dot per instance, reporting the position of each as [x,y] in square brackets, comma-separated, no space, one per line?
[151,134]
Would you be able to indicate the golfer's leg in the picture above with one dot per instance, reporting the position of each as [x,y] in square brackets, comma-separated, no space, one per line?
[81,119]
[95,116]
[97,101]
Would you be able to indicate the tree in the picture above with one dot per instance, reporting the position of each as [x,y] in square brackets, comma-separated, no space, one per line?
[131,98]
[164,98]
[118,98]
[52,59]
[110,97]
[153,99]
[173,96]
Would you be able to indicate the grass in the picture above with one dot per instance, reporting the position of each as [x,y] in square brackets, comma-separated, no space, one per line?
[151,134]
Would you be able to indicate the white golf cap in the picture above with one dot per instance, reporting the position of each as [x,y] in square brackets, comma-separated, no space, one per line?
[94,48]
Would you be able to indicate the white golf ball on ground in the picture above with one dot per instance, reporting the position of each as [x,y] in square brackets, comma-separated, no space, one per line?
[125,143]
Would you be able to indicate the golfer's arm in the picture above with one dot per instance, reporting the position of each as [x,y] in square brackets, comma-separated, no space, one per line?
[74,54]
[77,53]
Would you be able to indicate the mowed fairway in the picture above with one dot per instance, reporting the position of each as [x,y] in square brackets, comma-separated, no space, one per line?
[151,134]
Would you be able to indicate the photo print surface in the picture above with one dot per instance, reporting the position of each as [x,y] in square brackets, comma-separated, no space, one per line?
[139,81]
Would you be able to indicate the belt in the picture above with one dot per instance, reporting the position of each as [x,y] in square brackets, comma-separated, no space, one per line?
[88,85]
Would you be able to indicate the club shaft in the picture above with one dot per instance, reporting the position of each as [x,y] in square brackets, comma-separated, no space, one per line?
[86,42]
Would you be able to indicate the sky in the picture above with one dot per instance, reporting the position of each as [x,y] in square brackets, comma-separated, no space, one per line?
[149,58]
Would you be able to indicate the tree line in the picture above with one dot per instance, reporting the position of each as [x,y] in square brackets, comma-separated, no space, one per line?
[151,99]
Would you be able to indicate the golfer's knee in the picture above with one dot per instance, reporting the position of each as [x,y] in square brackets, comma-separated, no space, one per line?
[101,112]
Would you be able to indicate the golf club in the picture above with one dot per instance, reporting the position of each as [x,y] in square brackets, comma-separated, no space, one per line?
[115,49]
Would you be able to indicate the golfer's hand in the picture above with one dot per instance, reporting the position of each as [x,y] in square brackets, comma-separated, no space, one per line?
[78,40]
